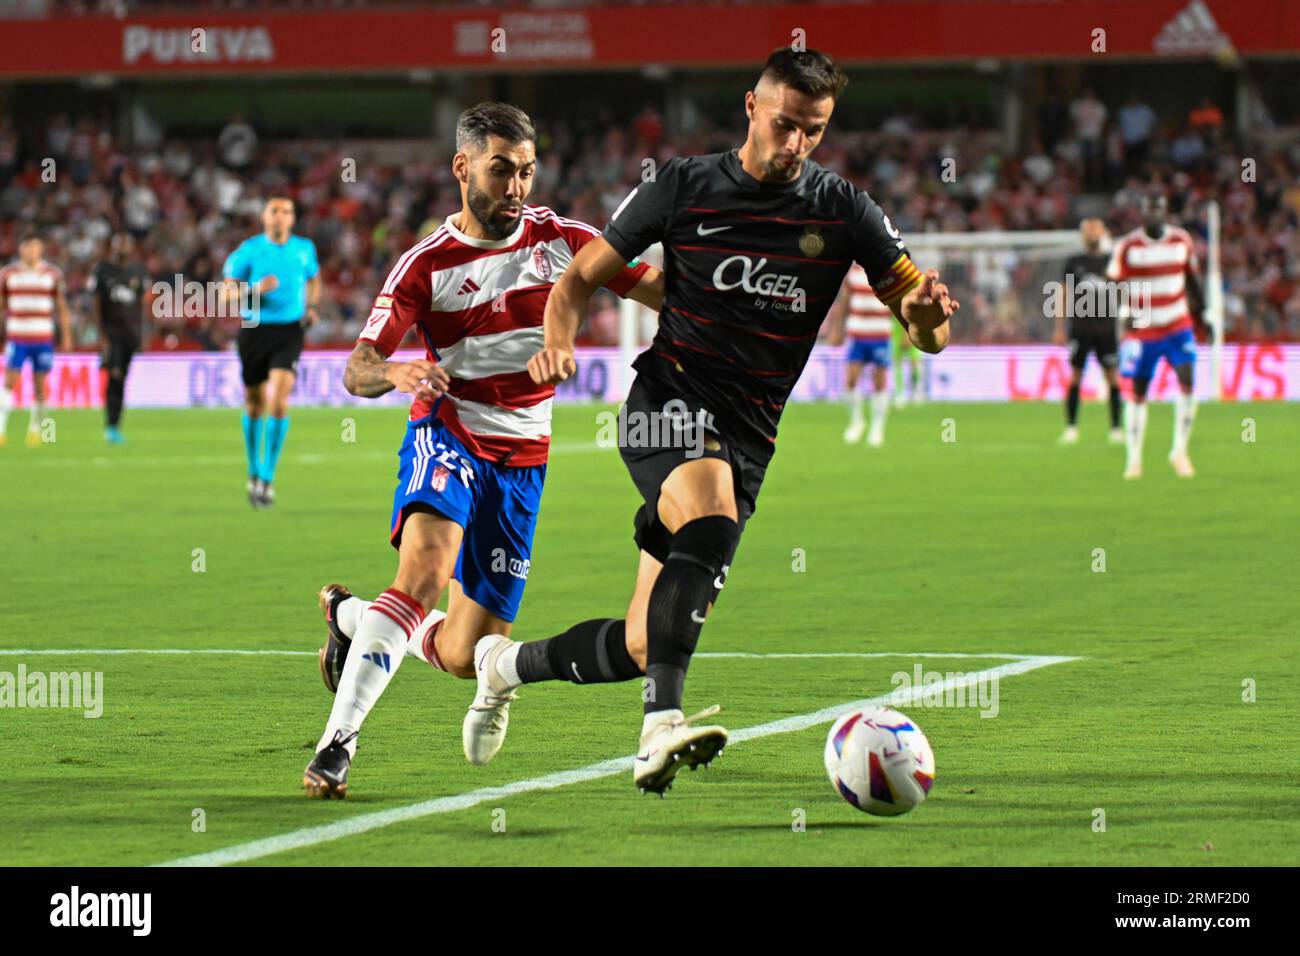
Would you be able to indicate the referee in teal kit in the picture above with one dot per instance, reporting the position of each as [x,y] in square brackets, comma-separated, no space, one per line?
[282,274]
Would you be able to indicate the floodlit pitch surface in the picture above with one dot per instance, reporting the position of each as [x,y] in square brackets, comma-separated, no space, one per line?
[1146,713]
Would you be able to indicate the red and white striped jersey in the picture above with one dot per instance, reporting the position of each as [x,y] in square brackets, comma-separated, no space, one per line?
[30,294]
[477,305]
[867,317]
[1158,270]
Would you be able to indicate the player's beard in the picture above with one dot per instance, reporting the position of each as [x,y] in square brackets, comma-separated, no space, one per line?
[487,212]
[780,172]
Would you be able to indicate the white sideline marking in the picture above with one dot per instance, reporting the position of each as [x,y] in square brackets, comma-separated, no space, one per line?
[364,822]
[68,651]
[305,458]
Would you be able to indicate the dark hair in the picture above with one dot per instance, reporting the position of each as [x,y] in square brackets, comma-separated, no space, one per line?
[808,71]
[479,122]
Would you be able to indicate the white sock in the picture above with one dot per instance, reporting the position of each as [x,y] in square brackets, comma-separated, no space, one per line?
[37,416]
[348,614]
[1184,415]
[6,406]
[1135,431]
[418,648]
[855,408]
[377,651]
[879,409]
[508,664]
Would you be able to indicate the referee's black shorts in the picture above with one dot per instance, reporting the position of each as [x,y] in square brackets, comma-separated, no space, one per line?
[267,346]
[1103,342]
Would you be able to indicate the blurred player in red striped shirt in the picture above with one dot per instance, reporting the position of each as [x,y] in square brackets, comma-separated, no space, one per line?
[868,325]
[31,292]
[1159,263]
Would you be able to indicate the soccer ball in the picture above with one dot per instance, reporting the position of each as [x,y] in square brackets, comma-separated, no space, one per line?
[879,761]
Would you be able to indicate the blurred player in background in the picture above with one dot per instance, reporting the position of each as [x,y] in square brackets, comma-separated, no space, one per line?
[757,243]
[117,288]
[1158,261]
[31,292]
[276,277]
[477,440]
[868,324]
[1092,327]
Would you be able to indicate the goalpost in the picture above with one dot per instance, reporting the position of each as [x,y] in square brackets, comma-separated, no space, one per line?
[1002,279]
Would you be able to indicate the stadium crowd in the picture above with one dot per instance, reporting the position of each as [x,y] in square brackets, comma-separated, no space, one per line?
[190,202]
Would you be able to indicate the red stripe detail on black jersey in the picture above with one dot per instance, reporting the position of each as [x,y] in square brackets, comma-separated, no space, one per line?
[764,255]
[752,218]
[740,328]
[728,360]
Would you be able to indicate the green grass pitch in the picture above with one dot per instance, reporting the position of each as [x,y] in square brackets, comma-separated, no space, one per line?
[982,545]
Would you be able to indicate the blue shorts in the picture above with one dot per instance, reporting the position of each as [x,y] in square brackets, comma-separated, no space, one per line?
[1138,359]
[40,354]
[496,505]
[870,351]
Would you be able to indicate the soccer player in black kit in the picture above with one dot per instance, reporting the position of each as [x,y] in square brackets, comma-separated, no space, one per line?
[117,286]
[1088,304]
[756,243]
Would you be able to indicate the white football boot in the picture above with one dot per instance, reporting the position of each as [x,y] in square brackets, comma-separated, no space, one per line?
[853,434]
[484,729]
[1116,436]
[669,743]
[1070,436]
[1182,465]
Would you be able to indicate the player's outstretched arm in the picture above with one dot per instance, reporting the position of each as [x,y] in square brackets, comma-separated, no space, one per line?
[925,311]
[370,375]
[595,264]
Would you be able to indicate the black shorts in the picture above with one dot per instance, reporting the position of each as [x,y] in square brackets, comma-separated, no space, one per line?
[659,430]
[117,354]
[264,347]
[1103,342]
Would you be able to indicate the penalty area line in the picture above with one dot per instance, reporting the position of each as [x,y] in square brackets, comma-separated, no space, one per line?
[374,820]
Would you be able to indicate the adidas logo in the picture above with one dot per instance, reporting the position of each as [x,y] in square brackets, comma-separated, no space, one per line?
[1192,30]
[379,659]
[468,287]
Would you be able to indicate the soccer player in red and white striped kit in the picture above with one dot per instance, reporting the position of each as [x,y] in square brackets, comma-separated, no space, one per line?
[474,458]
[1159,262]
[32,292]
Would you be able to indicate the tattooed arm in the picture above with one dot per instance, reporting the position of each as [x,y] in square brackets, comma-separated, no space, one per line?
[370,375]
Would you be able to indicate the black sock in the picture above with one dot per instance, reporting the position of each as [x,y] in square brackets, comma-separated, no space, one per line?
[1072,405]
[1114,407]
[593,652]
[678,603]
[113,396]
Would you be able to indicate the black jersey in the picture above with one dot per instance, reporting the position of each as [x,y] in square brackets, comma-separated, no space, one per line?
[751,270]
[119,289]
[1089,296]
